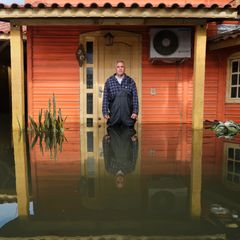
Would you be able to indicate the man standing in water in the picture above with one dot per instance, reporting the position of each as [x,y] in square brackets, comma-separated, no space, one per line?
[120,99]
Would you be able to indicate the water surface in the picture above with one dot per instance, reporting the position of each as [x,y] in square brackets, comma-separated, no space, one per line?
[161,179]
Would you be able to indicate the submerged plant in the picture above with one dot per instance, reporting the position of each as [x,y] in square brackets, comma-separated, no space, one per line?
[226,129]
[49,130]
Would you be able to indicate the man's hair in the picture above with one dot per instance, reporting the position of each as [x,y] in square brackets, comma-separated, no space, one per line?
[120,61]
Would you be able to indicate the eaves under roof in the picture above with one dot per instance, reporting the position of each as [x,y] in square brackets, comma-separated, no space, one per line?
[116,9]
[226,35]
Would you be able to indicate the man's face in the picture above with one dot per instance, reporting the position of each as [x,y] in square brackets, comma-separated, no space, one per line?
[120,69]
[120,181]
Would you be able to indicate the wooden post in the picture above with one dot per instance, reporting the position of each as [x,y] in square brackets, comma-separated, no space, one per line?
[196,173]
[21,173]
[199,76]
[17,76]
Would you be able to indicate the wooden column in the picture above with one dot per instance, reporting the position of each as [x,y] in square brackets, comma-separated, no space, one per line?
[199,76]
[21,173]
[196,173]
[17,76]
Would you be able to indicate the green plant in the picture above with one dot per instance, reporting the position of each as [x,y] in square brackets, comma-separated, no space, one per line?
[49,129]
[51,123]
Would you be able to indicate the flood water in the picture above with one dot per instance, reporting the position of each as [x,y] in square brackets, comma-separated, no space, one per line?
[160,180]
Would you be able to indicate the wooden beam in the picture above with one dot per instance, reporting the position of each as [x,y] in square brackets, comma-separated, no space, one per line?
[199,76]
[205,13]
[17,77]
[109,21]
[21,173]
[196,173]
[231,42]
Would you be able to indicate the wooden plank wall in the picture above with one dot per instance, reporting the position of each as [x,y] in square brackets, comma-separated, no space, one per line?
[52,68]
[55,70]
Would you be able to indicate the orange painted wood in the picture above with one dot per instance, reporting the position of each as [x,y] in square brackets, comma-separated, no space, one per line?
[52,68]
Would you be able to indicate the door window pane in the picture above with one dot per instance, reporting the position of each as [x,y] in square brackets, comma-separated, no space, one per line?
[89,122]
[89,103]
[89,77]
[90,52]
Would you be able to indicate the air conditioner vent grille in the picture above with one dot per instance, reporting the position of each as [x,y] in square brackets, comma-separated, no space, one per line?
[165,42]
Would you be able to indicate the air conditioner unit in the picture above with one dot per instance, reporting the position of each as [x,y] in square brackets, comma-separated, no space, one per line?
[167,195]
[170,43]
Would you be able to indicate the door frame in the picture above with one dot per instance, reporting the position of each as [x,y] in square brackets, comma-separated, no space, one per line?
[93,36]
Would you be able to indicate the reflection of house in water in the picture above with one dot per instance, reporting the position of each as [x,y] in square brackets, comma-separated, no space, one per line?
[76,188]
[85,178]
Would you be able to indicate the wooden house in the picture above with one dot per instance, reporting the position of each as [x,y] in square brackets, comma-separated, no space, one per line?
[192,83]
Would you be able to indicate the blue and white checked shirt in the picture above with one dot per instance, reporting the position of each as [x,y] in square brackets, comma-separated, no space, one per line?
[112,87]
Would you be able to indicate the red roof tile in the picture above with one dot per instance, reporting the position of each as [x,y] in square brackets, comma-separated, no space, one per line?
[125,3]
[4,27]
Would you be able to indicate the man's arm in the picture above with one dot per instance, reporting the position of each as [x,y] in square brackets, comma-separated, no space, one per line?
[105,101]
[135,98]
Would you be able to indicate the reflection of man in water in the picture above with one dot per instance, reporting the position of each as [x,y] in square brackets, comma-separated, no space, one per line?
[120,148]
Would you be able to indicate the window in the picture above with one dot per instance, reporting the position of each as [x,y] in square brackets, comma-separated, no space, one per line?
[233,81]
[232,164]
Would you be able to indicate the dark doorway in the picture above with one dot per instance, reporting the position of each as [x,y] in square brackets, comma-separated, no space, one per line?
[5,95]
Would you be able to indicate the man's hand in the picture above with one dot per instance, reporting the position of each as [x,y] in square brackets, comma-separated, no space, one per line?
[106,117]
[134,116]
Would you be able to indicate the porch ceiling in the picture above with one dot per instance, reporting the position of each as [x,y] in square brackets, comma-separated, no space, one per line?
[160,11]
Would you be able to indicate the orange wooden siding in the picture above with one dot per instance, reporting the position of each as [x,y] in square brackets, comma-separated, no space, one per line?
[55,71]
[52,68]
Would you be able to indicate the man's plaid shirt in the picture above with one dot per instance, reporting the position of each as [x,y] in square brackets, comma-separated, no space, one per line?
[112,87]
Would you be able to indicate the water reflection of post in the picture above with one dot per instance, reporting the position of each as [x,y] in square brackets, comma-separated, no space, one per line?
[196,173]
[21,173]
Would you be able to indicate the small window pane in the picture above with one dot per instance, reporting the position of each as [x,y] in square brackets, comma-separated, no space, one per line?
[234,79]
[89,77]
[229,177]
[89,122]
[234,92]
[237,167]
[237,154]
[89,103]
[234,67]
[90,141]
[236,179]
[230,166]
[90,52]
[239,92]
[231,153]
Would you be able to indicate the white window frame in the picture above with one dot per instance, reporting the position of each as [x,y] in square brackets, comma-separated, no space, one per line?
[230,184]
[229,99]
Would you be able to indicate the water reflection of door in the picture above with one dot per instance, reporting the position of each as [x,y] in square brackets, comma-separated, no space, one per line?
[97,183]
[100,64]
